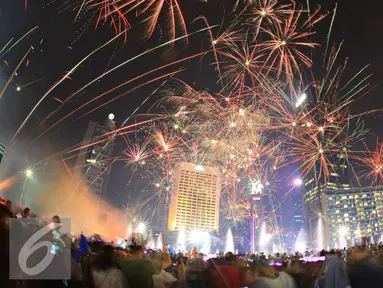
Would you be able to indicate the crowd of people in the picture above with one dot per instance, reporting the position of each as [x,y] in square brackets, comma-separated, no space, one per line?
[96,264]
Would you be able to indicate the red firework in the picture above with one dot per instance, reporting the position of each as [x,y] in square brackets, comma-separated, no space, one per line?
[286,39]
[372,163]
[117,11]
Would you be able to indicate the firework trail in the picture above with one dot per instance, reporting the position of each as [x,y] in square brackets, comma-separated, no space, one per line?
[15,71]
[118,11]
[257,123]
[60,81]
[3,53]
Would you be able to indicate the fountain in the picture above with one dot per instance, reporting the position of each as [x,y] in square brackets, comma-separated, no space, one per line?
[229,244]
[264,239]
[300,243]
[206,243]
[150,241]
[372,239]
[343,232]
[181,240]
[159,242]
[320,231]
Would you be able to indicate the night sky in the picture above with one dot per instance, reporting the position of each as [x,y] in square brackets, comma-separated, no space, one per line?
[60,43]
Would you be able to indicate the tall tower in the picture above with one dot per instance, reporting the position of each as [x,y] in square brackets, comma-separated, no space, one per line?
[93,164]
[194,203]
[315,189]
[160,219]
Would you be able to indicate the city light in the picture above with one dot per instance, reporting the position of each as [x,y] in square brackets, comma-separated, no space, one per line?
[197,236]
[301,99]
[28,173]
[141,227]
[343,231]
[199,168]
[297,182]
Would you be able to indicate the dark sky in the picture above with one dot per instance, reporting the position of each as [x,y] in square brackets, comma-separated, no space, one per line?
[60,43]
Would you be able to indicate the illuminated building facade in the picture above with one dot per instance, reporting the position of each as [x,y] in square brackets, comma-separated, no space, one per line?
[315,189]
[357,214]
[194,202]
[93,164]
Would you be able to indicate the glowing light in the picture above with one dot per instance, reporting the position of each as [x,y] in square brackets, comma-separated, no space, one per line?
[294,123]
[297,182]
[143,162]
[18,88]
[28,173]
[184,131]
[199,168]
[301,99]
[343,230]
[141,227]
[232,124]
[241,111]
[263,13]
[309,124]
[198,236]
[215,42]
[92,161]
[283,42]
[247,63]
[157,185]
[227,99]
[320,151]
[321,129]
[176,126]
[111,116]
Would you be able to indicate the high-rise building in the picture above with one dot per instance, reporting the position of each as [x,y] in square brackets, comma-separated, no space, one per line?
[93,164]
[160,219]
[315,189]
[355,216]
[194,203]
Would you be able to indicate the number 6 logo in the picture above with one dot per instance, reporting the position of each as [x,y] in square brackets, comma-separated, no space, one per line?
[31,246]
